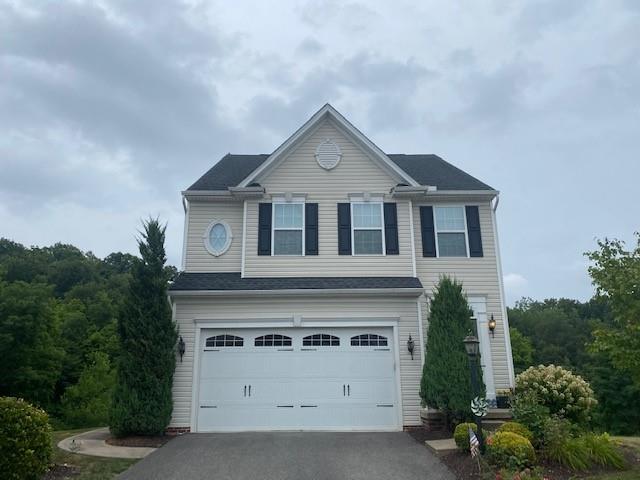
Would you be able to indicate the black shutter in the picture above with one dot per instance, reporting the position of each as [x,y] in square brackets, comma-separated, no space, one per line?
[264,229]
[428,232]
[311,229]
[344,229]
[473,229]
[391,229]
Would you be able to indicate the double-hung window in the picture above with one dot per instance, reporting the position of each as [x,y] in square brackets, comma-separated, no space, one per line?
[288,228]
[451,231]
[367,232]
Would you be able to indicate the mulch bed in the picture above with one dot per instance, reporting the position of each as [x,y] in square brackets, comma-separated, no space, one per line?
[155,441]
[57,472]
[466,468]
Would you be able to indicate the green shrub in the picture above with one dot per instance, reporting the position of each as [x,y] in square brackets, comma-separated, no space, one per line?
[602,451]
[461,435]
[25,440]
[579,452]
[571,452]
[510,450]
[518,428]
[87,403]
[528,411]
[562,392]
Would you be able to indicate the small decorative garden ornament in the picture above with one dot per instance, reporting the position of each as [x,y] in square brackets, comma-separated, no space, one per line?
[479,407]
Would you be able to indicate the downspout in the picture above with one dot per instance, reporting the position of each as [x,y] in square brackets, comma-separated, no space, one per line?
[507,335]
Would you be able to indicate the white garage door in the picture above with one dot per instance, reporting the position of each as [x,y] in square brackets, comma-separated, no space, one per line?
[297,379]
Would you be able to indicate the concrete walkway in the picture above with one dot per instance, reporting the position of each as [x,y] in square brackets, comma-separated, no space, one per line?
[291,456]
[93,443]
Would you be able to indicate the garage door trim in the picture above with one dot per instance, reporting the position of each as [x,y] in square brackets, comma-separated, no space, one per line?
[202,324]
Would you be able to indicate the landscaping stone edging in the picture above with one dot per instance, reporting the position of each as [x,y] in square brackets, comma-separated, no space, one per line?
[93,443]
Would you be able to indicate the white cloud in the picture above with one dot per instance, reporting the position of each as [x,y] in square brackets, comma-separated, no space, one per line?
[515,286]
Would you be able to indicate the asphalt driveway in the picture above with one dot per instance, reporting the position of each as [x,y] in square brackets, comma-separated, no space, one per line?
[291,455]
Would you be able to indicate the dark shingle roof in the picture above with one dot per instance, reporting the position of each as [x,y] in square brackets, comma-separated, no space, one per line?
[233,281]
[429,169]
[228,172]
[426,169]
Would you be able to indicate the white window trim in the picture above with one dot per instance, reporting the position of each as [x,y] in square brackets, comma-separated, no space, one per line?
[358,201]
[465,230]
[284,201]
[207,243]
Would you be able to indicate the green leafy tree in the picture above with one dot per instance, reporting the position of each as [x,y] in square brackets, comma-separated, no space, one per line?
[446,381]
[88,402]
[142,401]
[616,275]
[29,342]
[522,350]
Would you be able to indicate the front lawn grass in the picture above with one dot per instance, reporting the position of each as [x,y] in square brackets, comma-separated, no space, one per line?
[634,472]
[88,467]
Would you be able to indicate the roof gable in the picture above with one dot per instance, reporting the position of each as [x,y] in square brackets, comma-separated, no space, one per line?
[359,139]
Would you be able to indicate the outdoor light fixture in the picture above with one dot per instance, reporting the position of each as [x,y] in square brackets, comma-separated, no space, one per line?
[471,345]
[410,346]
[492,326]
[181,348]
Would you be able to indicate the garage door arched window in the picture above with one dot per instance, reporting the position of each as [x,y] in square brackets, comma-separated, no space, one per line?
[321,340]
[369,340]
[224,341]
[273,340]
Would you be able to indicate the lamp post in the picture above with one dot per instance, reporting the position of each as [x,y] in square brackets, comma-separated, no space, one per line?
[472,346]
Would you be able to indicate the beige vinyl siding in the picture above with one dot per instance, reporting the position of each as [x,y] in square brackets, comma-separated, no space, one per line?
[311,309]
[479,277]
[201,214]
[300,173]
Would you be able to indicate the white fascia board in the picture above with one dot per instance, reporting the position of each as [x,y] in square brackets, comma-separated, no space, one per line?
[206,193]
[484,193]
[347,126]
[396,292]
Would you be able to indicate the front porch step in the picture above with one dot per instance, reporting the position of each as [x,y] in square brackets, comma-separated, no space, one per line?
[441,447]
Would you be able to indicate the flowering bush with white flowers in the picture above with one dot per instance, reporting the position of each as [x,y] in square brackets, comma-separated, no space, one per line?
[561,391]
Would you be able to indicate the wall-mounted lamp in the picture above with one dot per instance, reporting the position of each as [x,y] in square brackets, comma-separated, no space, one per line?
[410,346]
[492,325]
[181,348]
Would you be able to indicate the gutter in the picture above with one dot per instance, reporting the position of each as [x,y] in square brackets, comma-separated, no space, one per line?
[396,292]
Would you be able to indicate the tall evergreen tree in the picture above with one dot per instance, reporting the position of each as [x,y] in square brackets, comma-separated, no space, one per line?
[142,400]
[446,380]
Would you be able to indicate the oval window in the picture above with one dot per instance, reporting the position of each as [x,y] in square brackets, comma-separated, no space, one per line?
[217,238]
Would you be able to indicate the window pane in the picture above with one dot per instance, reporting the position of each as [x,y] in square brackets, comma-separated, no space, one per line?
[452,245]
[288,215]
[366,215]
[218,237]
[287,242]
[449,218]
[367,242]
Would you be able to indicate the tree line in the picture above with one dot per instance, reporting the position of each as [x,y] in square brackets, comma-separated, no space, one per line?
[59,311]
[598,339]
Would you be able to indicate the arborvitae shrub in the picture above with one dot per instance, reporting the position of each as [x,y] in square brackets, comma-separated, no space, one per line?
[446,379]
[142,401]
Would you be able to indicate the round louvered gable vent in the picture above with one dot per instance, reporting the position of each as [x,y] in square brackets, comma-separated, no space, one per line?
[328,154]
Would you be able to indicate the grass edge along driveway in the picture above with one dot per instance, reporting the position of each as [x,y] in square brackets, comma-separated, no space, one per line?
[88,467]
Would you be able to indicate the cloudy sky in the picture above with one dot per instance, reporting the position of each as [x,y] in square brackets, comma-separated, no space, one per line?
[108,109]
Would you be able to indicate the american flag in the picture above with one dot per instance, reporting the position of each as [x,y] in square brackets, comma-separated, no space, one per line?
[474,444]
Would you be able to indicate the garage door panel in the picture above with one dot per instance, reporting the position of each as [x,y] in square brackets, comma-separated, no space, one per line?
[334,386]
